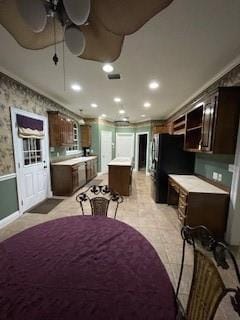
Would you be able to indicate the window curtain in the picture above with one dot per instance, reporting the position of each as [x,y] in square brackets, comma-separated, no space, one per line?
[29,127]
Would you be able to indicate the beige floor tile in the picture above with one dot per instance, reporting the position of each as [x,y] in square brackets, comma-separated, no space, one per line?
[157,222]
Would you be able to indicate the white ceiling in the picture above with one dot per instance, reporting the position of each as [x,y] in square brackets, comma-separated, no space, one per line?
[183,48]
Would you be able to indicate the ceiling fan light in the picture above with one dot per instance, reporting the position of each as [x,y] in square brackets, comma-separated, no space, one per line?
[75,40]
[34,14]
[77,10]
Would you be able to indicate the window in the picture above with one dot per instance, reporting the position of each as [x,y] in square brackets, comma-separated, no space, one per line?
[75,147]
[32,151]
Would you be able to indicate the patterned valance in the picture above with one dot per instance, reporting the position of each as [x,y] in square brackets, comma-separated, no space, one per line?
[29,127]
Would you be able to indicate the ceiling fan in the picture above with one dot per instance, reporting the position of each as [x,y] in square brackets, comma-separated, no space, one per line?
[91,29]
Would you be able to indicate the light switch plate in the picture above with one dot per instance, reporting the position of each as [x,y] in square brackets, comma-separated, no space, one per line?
[231,167]
[215,175]
[219,177]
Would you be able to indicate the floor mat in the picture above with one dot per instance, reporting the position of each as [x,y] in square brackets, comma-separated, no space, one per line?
[46,206]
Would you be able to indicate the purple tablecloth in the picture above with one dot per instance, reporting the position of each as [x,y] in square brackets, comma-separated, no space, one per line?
[83,268]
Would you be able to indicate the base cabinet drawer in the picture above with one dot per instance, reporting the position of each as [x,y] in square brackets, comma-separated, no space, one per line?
[200,208]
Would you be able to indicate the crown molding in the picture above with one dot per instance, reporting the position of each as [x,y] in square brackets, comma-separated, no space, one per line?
[35,89]
[217,77]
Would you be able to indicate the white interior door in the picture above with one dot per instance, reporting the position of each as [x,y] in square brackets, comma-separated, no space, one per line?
[124,145]
[32,165]
[106,150]
[32,171]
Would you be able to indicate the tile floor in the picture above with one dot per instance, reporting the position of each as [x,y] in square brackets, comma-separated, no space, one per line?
[157,222]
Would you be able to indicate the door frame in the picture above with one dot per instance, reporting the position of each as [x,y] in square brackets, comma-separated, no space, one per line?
[103,131]
[138,134]
[16,151]
[119,134]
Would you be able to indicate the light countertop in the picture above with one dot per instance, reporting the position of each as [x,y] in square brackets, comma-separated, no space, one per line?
[192,183]
[121,162]
[74,161]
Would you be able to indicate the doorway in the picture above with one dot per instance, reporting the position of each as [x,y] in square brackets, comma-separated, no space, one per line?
[141,153]
[124,145]
[106,150]
[31,162]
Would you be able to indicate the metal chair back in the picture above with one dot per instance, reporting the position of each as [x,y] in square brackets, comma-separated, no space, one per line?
[99,205]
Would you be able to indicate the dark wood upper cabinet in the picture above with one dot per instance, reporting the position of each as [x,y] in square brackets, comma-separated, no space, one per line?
[60,130]
[179,125]
[212,124]
[86,136]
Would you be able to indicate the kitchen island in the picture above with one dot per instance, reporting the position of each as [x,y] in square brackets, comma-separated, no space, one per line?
[120,175]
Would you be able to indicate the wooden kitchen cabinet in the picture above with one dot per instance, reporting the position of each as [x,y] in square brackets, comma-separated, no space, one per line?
[60,130]
[202,204]
[120,176]
[212,124]
[161,128]
[70,175]
[86,136]
[91,169]
[65,179]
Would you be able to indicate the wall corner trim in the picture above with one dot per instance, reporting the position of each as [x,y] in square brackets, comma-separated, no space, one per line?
[5,221]
[8,176]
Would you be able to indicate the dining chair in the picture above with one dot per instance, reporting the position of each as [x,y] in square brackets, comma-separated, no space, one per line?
[99,205]
[207,287]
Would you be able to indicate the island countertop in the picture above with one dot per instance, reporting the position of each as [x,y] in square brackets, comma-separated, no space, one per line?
[121,161]
[192,183]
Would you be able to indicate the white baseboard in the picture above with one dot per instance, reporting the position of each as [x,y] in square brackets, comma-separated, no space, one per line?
[5,221]
[100,173]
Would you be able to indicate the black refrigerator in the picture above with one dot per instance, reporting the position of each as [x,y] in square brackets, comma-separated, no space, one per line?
[168,157]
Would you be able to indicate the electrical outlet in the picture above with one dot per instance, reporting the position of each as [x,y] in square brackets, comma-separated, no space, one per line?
[57,154]
[215,175]
[219,177]
[231,167]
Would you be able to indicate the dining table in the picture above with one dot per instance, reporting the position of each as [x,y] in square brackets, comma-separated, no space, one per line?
[83,268]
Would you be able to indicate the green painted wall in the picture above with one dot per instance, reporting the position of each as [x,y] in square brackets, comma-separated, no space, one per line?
[125,130]
[9,200]
[206,164]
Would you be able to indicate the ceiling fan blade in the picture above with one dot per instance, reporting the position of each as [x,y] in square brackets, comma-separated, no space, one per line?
[75,40]
[33,13]
[12,21]
[77,10]
[101,45]
[127,16]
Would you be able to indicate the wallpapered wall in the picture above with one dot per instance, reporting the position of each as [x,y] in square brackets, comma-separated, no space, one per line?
[17,95]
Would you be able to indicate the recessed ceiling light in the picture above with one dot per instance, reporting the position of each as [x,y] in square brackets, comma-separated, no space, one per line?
[103,115]
[153,85]
[94,105]
[147,104]
[76,87]
[117,99]
[121,111]
[107,68]
[143,115]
